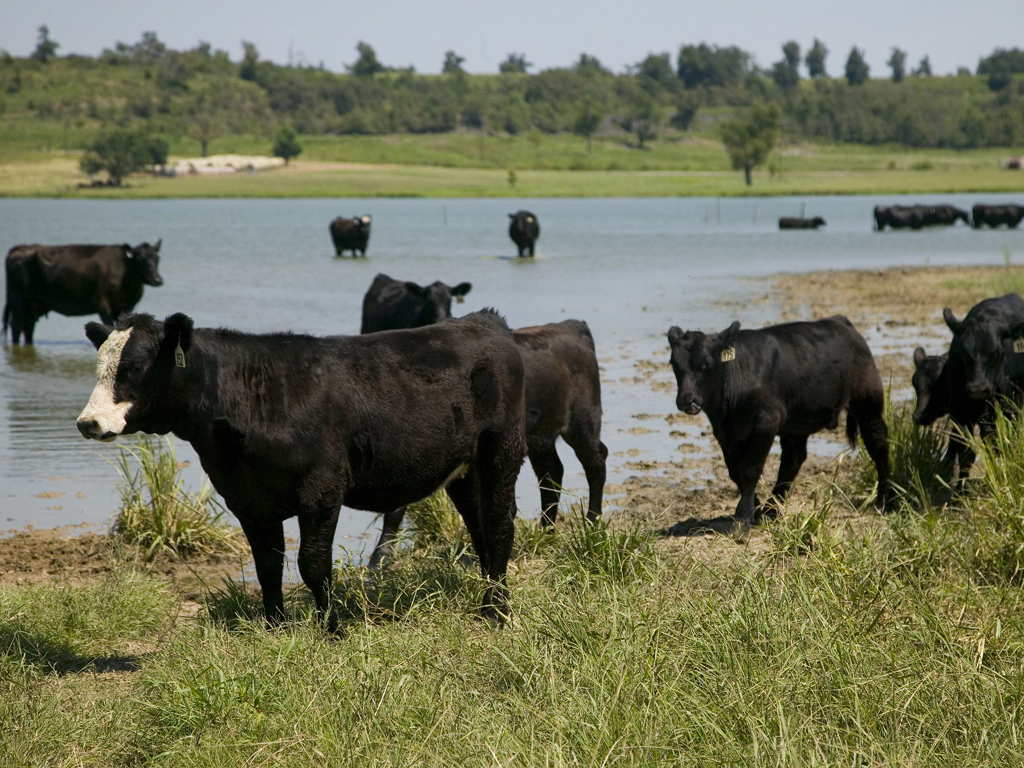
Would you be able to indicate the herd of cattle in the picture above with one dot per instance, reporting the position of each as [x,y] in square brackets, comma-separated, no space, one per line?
[290,425]
[920,216]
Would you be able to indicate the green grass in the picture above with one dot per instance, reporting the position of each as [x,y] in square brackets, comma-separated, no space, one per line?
[158,514]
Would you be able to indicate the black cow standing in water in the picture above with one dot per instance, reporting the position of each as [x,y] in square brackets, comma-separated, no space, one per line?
[918,216]
[997,215]
[795,222]
[75,280]
[350,234]
[288,425]
[391,304]
[563,399]
[790,380]
[524,229]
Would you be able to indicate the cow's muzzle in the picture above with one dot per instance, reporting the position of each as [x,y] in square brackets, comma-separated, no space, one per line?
[91,430]
[691,407]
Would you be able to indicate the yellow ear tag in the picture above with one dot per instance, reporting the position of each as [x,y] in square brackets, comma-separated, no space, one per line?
[179,356]
[462,299]
[1018,345]
[728,354]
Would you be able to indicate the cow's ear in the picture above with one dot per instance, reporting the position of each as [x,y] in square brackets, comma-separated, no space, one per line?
[158,243]
[128,251]
[728,336]
[462,289]
[1016,331]
[954,325]
[178,332]
[511,215]
[97,333]
[419,290]
[919,356]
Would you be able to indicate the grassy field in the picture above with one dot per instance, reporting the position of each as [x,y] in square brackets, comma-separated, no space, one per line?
[442,166]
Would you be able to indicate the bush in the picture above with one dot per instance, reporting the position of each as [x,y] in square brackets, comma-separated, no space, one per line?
[122,153]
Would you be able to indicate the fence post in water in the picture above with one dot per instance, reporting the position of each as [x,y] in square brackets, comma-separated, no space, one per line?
[719,203]
[802,206]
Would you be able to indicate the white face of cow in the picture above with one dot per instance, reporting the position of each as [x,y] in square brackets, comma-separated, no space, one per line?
[102,418]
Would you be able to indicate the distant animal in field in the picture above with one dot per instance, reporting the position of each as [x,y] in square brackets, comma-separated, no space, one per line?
[75,280]
[563,399]
[291,425]
[918,216]
[350,235]
[790,380]
[997,215]
[795,222]
[391,304]
[524,229]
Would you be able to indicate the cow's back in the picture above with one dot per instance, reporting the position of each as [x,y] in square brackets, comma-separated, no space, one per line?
[70,279]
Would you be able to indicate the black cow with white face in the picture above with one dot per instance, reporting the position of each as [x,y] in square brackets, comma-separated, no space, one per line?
[289,425]
[350,235]
[524,229]
[75,280]
[391,304]
[789,380]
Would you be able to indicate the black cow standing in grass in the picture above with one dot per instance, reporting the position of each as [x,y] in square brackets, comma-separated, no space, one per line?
[795,222]
[391,304]
[563,399]
[790,380]
[350,234]
[106,280]
[524,229]
[997,215]
[289,425]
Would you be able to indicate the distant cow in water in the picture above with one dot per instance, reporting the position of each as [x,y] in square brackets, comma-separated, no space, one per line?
[945,215]
[563,399]
[350,234]
[795,222]
[790,380]
[524,229]
[997,215]
[288,425]
[392,304]
[917,216]
[75,280]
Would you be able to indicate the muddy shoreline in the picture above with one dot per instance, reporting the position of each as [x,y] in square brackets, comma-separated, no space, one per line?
[895,309]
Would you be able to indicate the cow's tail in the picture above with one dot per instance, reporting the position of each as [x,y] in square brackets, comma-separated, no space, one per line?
[7,314]
[852,428]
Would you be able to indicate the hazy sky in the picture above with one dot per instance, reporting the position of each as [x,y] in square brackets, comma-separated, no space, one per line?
[550,32]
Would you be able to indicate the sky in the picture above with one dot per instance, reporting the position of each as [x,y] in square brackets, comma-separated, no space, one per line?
[552,33]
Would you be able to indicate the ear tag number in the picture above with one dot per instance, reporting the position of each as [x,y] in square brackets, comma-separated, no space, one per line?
[462,299]
[1018,345]
[179,356]
[728,354]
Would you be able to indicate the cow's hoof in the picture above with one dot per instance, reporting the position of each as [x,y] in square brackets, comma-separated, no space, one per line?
[741,528]
[494,616]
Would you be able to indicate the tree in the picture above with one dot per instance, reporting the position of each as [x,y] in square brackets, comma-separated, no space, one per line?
[46,48]
[686,103]
[703,65]
[924,68]
[286,144]
[514,62]
[898,64]
[643,118]
[122,153]
[453,64]
[655,73]
[250,58]
[1001,66]
[786,73]
[204,118]
[791,52]
[815,59]
[589,65]
[366,65]
[588,121]
[857,69]
[750,139]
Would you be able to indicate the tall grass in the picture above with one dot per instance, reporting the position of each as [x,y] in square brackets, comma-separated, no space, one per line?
[158,514]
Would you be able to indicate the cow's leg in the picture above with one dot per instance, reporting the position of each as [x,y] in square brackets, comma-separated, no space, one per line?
[593,455]
[266,540]
[388,532]
[29,327]
[876,439]
[794,453]
[532,249]
[549,470]
[316,543]
[745,463]
[959,450]
[465,495]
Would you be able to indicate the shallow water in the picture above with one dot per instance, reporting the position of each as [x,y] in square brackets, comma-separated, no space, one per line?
[630,268]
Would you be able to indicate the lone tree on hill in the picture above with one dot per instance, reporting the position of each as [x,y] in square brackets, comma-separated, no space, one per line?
[686,103]
[857,69]
[250,58]
[121,153]
[749,140]
[815,59]
[453,63]
[643,118]
[514,62]
[286,144]
[924,68]
[588,121]
[366,65]
[46,48]
[898,64]
[786,73]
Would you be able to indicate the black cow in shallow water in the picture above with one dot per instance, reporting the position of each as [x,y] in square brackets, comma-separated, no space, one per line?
[524,229]
[350,234]
[563,399]
[75,280]
[795,222]
[790,380]
[391,304]
[289,425]
[997,215]
[918,216]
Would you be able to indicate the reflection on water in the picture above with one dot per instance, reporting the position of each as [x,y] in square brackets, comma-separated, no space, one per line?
[631,268]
